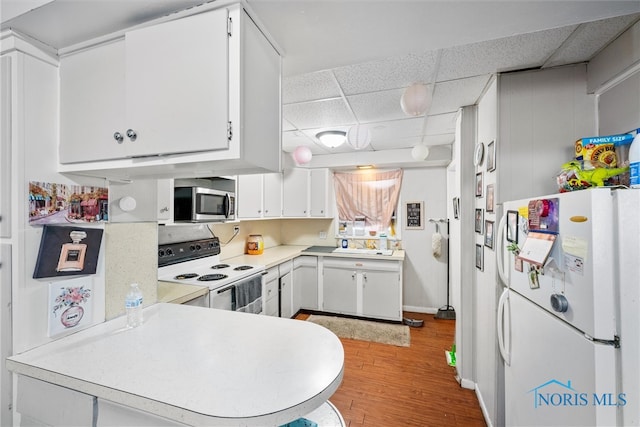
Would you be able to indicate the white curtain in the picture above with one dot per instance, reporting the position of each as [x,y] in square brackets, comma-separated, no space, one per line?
[371,194]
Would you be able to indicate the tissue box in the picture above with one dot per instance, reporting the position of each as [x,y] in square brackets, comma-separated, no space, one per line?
[599,151]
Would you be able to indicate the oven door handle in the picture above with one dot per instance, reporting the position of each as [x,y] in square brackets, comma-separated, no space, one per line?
[229,288]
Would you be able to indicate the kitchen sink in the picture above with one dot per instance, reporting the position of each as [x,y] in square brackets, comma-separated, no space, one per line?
[385,252]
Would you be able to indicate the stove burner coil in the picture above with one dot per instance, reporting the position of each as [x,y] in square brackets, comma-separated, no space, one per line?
[210,277]
[219,266]
[185,276]
[243,267]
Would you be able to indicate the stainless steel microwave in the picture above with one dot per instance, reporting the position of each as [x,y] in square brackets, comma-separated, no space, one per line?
[202,204]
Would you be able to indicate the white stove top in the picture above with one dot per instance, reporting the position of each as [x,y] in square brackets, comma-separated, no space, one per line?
[193,272]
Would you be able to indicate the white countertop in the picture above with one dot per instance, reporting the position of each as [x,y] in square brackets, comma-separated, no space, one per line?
[279,254]
[197,366]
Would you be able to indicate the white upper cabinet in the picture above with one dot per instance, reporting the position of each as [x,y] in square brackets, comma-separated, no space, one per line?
[272,195]
[177,90]
[307,193]
[260,195]
[176,99]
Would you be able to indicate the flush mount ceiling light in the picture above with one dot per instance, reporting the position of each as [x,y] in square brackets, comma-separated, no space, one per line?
[359,136]
[332,138]
[416,99]
[420,152]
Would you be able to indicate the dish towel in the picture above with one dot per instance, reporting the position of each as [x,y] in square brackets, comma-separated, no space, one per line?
[249,296]
[436,244]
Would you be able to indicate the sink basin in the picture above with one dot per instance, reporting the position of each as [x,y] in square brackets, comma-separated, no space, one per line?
[385,252]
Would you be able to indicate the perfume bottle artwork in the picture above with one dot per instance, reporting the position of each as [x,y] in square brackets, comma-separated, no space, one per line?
[72,254]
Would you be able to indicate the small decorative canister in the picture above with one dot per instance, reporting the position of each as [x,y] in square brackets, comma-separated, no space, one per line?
[255,244]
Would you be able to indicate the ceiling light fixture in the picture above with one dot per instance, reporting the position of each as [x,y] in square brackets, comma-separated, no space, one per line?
[364,167]
[332,138]
[359,136]
[420,152]
[302,155]
[416,99]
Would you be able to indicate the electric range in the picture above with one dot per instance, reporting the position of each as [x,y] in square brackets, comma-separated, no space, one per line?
[197,262]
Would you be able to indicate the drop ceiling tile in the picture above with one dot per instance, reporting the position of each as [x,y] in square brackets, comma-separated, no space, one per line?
[377,106]
[589,39]
[309,87]
[517,52]
[441,123]
[392,73]
[449,96]
[317,114]
[390,131]
[286,125]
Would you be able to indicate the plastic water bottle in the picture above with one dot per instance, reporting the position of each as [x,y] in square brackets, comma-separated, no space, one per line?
[133,304]
[634,162]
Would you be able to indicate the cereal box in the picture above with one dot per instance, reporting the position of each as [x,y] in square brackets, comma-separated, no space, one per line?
[599,151]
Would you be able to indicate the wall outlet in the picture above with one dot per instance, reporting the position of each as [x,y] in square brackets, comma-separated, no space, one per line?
[236,229]
[322,235]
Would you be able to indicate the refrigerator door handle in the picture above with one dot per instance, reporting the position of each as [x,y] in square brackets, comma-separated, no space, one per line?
[501,326]
[500,251]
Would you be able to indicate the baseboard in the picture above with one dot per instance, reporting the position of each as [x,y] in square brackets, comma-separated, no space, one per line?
[483,407]
[467,384]
[415,309]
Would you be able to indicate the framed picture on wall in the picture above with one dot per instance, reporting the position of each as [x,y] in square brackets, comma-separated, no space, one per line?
[414,215]
[490,202]
[479,220]
[491,156]
[488,234]
[479,184]
[479,257]
[512,226]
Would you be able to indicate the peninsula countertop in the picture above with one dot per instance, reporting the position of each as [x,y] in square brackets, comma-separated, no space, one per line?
[196,365]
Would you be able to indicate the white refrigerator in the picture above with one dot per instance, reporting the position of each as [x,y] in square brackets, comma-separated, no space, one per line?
[568,324]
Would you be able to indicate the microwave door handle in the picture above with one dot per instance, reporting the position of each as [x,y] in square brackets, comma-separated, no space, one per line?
[227,205]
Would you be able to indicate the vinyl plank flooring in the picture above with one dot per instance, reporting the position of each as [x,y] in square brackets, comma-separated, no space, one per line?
[386,385]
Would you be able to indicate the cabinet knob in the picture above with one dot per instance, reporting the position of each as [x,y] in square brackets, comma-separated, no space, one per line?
[118,137]
[132,134]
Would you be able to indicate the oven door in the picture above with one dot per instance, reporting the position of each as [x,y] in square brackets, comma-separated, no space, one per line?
[223,298]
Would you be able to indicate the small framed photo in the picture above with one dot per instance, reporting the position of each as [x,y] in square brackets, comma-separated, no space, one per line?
[456,207]
[518,264]
[512,226]
[488,234]
[491,156]
[479,257]
[490,202]
[414,214]
[479,184]
[479,220]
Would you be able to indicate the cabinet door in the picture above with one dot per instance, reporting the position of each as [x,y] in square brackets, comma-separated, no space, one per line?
[305,283]
[319,195]
[295,191]
[272,192]
[339,287]
[92,104]
[177,85]
[250,196]
[381,294]
[5,147]
[286,295]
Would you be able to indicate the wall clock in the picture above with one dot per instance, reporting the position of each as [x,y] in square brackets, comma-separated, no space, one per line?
[478,154]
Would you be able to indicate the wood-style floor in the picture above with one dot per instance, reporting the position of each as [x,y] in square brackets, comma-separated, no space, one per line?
[389,386]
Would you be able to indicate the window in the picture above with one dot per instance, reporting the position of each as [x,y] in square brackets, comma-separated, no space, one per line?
[372,195]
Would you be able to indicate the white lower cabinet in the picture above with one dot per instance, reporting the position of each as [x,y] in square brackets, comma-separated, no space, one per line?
[41,403]
[111,414]
[305,283]
[368,288]
[270,298]
[286,289]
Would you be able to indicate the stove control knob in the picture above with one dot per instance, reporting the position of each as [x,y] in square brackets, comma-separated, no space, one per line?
[161,253]
[169,251]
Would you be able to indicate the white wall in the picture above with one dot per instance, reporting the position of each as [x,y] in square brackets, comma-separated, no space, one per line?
[425,277]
